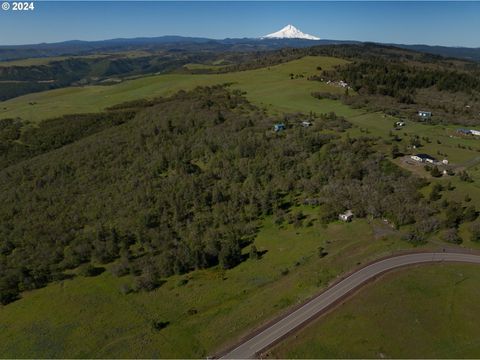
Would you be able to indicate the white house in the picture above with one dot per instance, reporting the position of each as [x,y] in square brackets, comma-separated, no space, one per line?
[425,114]
[346,216]
[423,158]
[306,123]
[475,132]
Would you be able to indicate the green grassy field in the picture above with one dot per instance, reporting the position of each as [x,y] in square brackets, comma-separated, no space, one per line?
[47,60]
[32,61]
[425,312]
[204,66]
[267,86]
[89,317]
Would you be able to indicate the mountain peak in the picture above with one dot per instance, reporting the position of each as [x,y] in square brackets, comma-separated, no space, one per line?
[290,32]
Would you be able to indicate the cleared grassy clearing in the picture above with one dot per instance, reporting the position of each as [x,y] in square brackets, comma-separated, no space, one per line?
[425,312]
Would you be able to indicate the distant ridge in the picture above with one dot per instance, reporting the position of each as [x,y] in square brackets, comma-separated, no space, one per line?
[180,43]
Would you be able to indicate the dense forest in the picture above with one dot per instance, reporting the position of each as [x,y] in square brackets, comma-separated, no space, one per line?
[397,79]
[180,185]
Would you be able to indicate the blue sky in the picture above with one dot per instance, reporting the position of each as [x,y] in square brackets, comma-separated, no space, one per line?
[434,23]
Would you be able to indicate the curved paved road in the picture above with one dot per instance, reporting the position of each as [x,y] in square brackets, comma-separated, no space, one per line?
[249,348]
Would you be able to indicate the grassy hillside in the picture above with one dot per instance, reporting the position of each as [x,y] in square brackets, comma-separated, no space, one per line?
[263,86]
[426,312]
[45,60]
[90,317]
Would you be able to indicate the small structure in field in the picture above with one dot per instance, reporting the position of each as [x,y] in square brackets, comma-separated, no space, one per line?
[279,127]
[425,115]
[468,132]
[400,124]
[306,124]
[347,216]
[423,158]
[464,131]
[445,161]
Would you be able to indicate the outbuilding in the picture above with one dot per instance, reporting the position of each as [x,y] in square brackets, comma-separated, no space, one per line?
[279,127]
[347,216]
[423,158]
[464,131]
[425,114]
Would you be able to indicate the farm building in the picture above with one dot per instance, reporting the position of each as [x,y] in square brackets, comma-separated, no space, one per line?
[306,123]
[423,158]
[400,123]
[279,127]
[468,132]
[464,131]
[346,216]
[425,114]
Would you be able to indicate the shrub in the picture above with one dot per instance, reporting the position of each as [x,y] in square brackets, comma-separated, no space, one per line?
[475,232]
[88,270]
[414,238]
[192,311]
[125,289]
[159,325]
[120,269]
[253,252]
[451,236]
[182,282]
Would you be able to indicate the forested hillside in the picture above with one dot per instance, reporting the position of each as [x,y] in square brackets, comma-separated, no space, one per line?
[402,86]
[181,185]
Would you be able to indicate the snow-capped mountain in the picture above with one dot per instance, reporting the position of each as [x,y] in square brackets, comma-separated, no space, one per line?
[290,32]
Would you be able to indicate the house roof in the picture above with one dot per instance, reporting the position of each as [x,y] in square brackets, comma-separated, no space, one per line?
[425,156]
